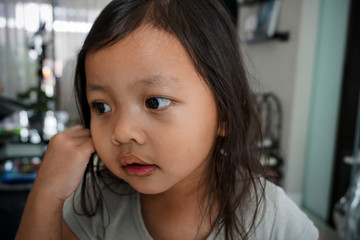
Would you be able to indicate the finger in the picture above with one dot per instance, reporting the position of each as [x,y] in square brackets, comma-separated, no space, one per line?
[88,144]
[76,127]
[68,141]
[87,147]
[78,131]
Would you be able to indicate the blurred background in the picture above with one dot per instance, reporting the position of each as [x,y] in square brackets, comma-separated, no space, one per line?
[302,58]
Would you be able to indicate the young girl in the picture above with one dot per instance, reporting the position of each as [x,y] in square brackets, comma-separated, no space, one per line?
[171,131]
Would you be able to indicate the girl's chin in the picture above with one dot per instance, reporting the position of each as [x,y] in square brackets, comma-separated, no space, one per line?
[149,189]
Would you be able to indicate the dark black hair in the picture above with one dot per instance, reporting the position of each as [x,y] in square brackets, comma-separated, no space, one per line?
[208,34]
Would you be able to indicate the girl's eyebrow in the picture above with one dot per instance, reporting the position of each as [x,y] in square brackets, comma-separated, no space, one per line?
[156,80]
[148,81]
[96,87]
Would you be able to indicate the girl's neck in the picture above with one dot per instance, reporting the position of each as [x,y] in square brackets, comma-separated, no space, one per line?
[179,209]
[178,220]
[176,197]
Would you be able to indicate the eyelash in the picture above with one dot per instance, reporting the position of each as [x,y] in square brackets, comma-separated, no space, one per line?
[155,102]
[98,105]
[151,102]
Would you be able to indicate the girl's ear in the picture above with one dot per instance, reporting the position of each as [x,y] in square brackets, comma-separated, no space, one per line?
[222,129]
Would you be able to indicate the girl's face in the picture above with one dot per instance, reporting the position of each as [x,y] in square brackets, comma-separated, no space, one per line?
[153,118]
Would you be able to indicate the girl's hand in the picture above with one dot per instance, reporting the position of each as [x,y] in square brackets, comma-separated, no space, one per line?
[64,163]
[59,175]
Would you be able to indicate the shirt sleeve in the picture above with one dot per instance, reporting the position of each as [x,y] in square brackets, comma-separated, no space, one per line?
[289,221]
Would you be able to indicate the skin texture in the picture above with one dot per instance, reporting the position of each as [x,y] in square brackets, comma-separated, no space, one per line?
[175,138]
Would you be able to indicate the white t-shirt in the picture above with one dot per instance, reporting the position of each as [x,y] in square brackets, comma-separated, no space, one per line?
[122,219]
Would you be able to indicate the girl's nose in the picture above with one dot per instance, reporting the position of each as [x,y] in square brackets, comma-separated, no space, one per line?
[128,128]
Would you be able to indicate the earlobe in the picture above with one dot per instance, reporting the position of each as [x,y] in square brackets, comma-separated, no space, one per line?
[222,129]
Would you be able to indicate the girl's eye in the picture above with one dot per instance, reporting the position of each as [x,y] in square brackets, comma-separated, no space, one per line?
[157,102]
[101,108]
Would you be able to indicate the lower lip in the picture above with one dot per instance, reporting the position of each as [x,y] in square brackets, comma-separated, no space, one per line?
[139,170]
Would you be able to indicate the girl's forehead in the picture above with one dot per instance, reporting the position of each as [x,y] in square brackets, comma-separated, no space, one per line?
[148,54]
[142,48]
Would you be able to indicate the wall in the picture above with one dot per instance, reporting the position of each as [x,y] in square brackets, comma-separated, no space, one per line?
[300,111]
[285,68]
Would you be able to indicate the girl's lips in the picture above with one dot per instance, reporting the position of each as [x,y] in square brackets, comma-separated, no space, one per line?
[135,166]
[139,170]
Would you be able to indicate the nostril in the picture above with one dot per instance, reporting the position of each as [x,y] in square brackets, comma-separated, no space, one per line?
[128,128]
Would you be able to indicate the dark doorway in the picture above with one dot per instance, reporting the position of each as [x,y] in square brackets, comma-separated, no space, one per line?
[348,109]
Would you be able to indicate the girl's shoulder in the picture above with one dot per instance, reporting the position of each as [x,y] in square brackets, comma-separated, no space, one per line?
[281,218]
